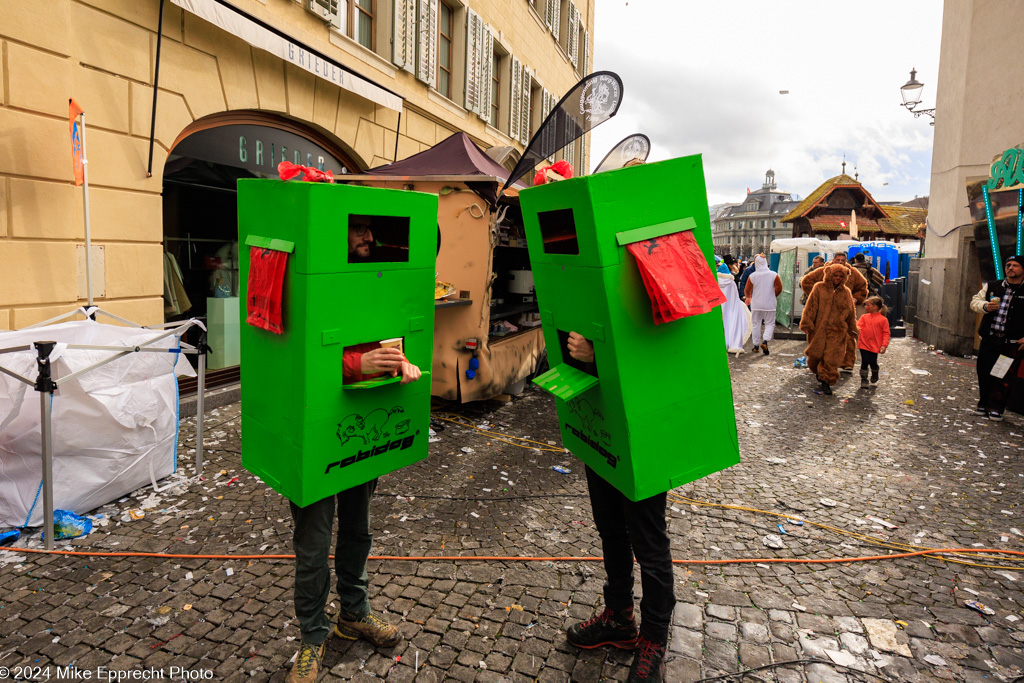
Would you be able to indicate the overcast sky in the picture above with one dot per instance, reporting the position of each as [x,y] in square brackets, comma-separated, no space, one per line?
[703,77]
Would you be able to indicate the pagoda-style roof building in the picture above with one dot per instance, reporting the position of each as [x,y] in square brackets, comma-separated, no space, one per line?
[826,213]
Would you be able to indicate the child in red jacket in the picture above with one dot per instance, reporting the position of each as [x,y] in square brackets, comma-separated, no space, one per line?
[873,338]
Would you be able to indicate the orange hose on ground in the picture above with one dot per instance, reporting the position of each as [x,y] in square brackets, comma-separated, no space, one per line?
[500,558]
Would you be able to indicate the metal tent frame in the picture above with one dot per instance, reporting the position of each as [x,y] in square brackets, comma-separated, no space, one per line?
[45,383]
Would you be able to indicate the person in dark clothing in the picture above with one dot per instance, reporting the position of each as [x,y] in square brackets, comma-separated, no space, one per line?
[747,272]
[1001,332]
[313,523]
[629,529]
[872,275]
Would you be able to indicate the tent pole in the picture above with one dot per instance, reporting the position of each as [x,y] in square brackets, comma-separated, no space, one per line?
[46,427]
[200,412]
[88,232]
[45,386]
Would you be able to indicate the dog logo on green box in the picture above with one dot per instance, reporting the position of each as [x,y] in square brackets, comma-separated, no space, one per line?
[370,430]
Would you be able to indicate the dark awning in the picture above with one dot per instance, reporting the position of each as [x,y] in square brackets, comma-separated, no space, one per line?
[455,155]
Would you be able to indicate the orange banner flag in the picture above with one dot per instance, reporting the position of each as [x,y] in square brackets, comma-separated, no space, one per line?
[76,140]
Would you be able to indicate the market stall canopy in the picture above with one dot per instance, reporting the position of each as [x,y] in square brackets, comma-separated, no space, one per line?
[456,155]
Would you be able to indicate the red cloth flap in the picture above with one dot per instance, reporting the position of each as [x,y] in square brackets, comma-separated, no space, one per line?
[266,281]
[677,276]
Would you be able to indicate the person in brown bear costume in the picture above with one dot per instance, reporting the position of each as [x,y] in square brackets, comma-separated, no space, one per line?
[830,322]
[857,285]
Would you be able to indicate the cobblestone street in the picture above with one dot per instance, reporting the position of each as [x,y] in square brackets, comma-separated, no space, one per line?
[901,466]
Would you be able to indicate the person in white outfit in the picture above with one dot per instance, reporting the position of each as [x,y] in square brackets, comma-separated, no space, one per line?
[763,289]
[735,315]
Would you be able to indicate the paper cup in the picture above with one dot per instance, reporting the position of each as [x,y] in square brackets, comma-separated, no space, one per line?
[395,343]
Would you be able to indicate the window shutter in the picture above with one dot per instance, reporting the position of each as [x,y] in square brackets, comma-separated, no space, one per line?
[474,51]
[426,24]
[486,75]
[586,52]
[547,102]
[569,154]
[515,96]
[583,170]
[524,119]
[553,15]
[404,46]
[572,40]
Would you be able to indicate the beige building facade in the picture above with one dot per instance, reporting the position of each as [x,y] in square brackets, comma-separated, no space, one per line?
[491,68]
[977,116]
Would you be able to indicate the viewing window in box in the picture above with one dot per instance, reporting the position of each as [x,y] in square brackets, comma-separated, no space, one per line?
[558,230]
[563,344]
[378,239]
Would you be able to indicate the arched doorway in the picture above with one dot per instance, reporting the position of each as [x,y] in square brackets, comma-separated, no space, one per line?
[200,218]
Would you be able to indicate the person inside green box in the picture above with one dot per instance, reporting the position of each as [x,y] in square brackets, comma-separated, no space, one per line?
[312,540]
[628,529]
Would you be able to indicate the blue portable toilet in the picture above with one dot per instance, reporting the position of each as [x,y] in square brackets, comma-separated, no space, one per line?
[883,255]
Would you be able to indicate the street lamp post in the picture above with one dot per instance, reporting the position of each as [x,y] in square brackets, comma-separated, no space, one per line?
[911,92]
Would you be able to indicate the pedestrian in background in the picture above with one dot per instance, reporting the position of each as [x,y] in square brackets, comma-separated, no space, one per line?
[744,276]
[858,287]
[816,262]
[1001,332]
[872,275]
[873,337]
[735,315]
[829,323]
[761,294]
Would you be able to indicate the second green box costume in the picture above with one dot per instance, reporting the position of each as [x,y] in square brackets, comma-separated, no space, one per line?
[659,413]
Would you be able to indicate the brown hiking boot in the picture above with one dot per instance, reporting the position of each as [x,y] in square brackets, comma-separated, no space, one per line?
[371,628]
[306,668]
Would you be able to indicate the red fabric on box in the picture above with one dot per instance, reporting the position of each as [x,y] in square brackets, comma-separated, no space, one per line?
[266,281]
[287,170]
[677,276]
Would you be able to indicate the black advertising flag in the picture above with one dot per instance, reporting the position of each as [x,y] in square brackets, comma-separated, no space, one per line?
[636,146]
[591,102]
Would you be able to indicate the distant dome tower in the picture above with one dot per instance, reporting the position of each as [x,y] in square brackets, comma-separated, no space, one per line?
[769,180]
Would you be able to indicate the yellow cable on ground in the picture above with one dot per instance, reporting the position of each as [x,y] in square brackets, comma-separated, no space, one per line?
[497,436]
[892,545]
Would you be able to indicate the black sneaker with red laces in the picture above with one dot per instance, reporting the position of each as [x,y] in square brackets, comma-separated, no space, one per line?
[617,629]
[649,662]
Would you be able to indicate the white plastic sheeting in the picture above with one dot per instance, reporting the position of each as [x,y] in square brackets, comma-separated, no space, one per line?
[114,428]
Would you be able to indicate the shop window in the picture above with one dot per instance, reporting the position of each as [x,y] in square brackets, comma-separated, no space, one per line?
[378,239]
[558,230]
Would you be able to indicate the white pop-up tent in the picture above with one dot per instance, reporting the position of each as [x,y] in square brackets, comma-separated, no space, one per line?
[107,420]
[107,416]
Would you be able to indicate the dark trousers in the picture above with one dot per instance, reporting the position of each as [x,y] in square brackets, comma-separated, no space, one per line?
[312,542]
[868,359]
[989,394]
[629,529]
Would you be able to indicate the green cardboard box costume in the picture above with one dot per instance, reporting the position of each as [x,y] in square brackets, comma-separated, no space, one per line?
[659,413]
[303,432]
